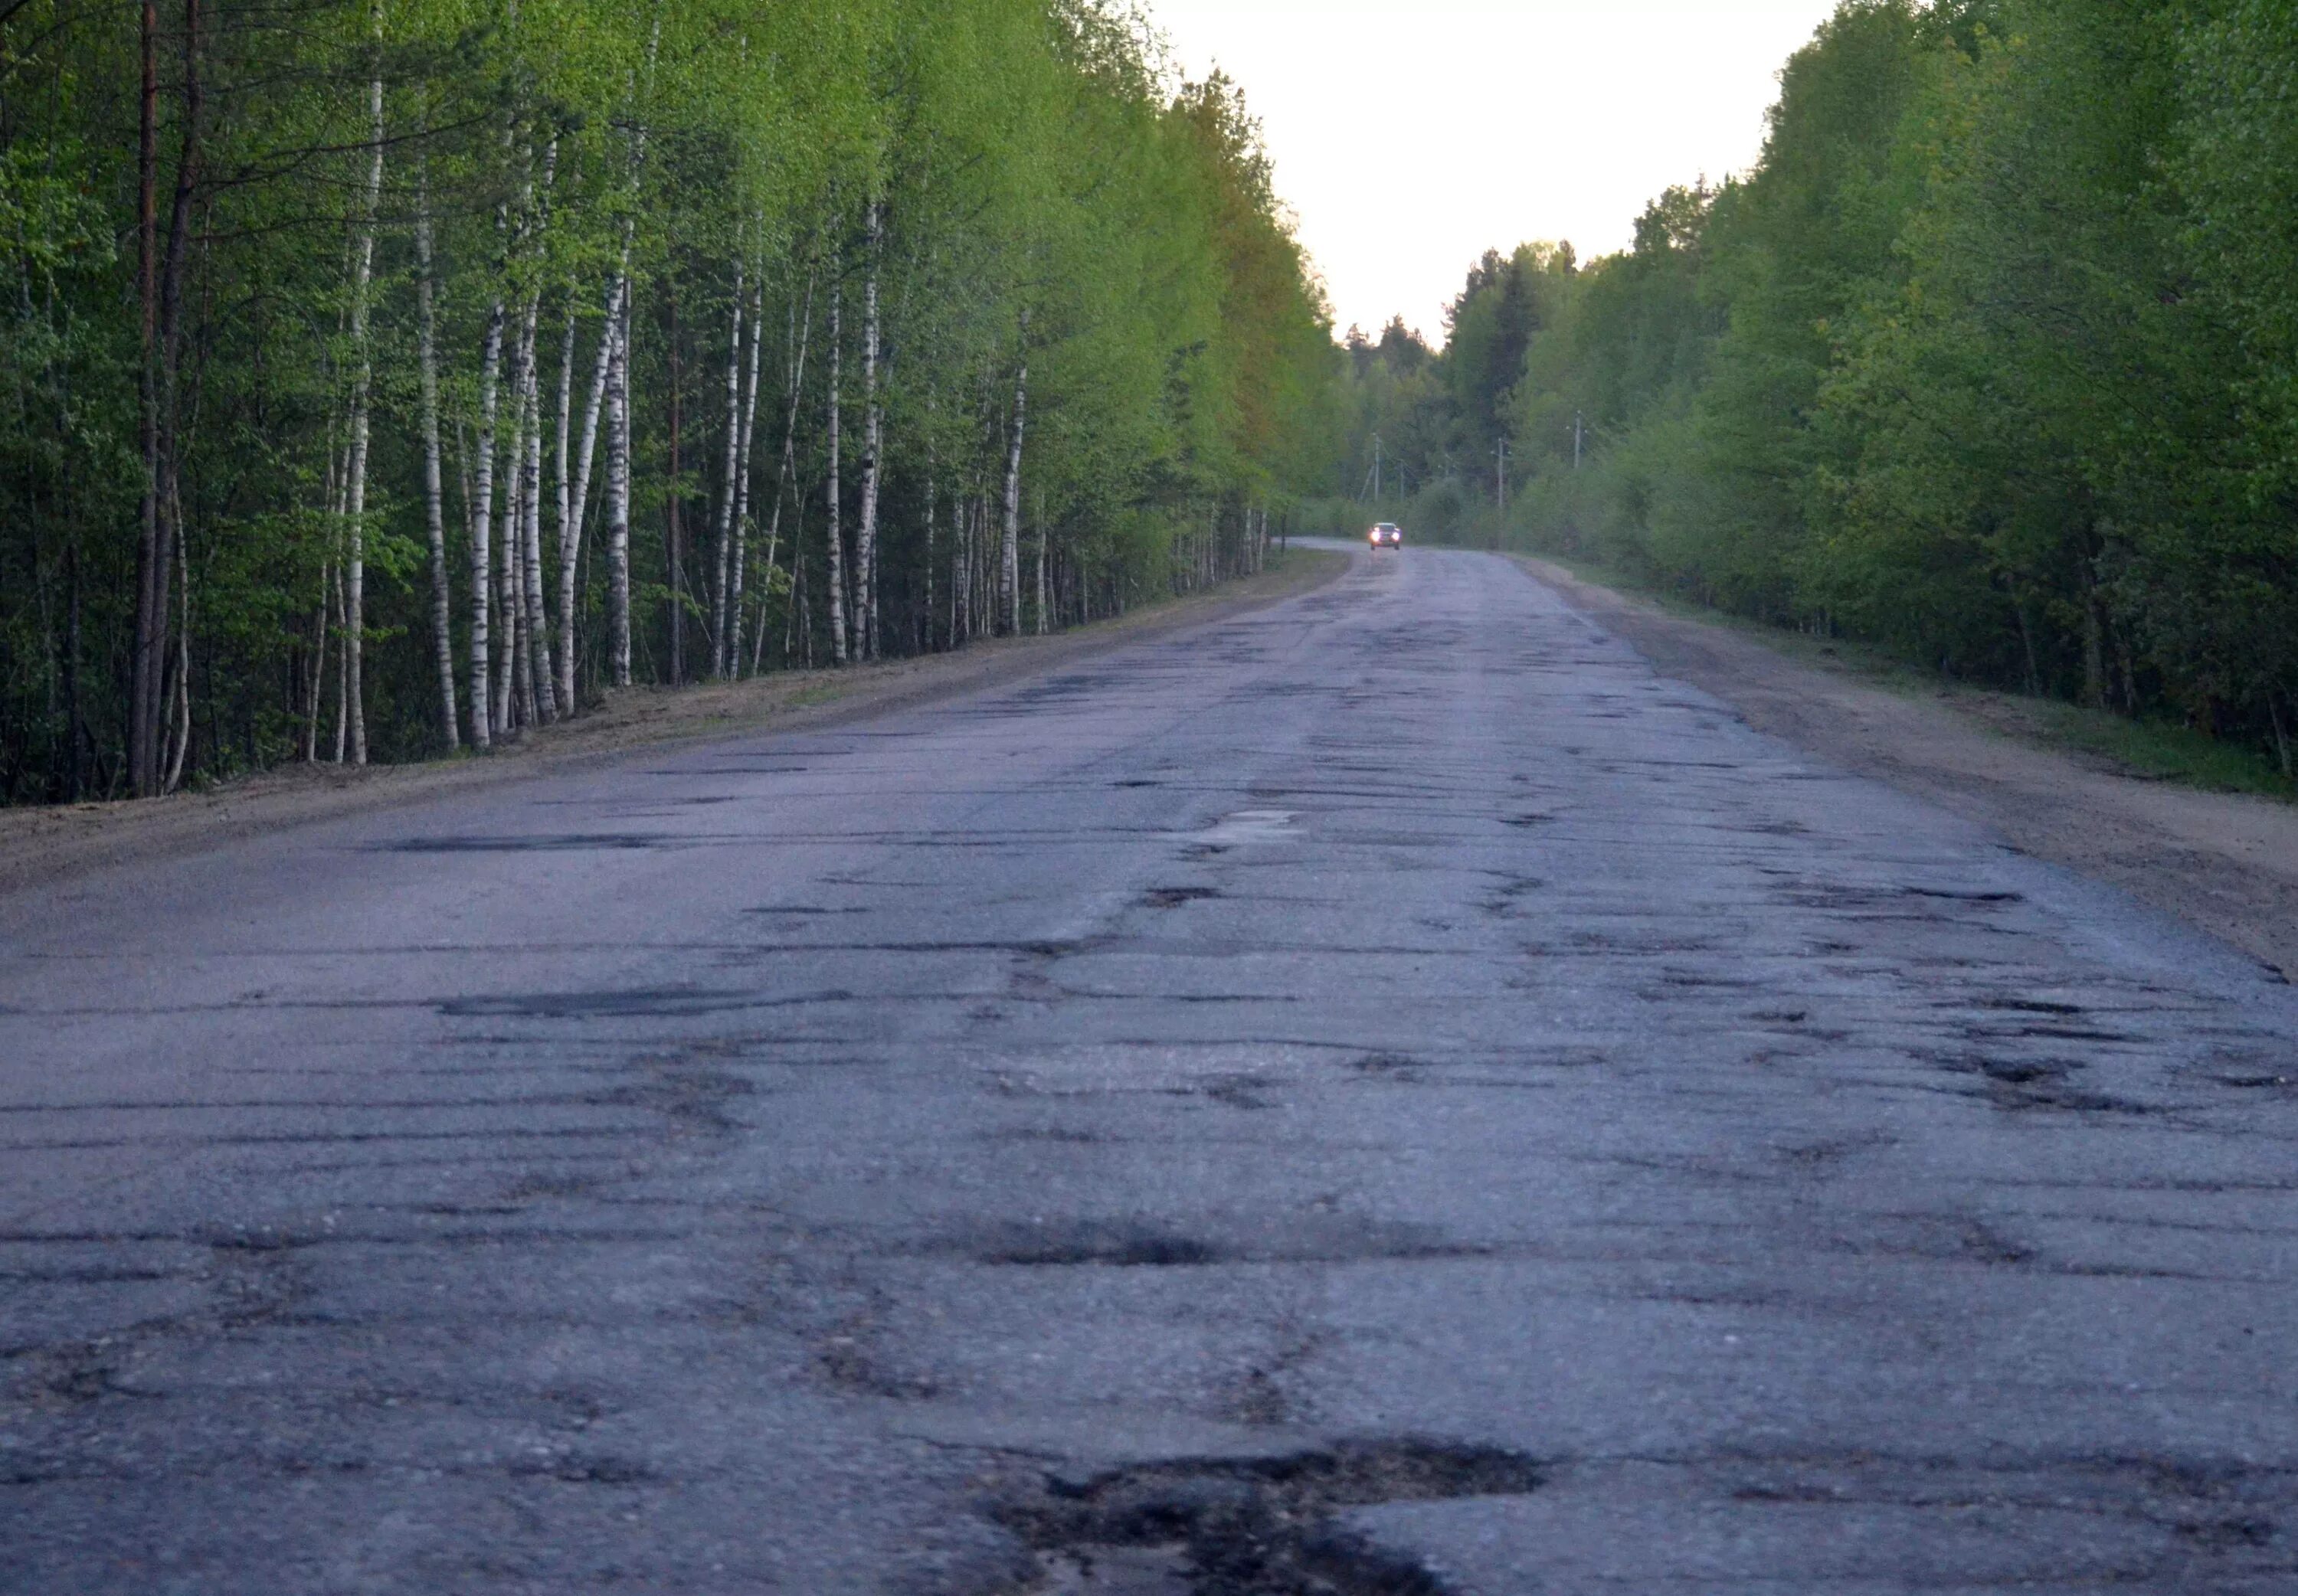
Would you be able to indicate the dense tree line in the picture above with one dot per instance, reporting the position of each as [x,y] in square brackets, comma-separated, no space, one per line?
[1992,359]
[391,376]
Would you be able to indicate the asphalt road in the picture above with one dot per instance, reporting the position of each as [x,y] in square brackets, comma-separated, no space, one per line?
[1384,1083]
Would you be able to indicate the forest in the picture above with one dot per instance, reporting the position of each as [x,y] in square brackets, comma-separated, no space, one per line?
[386,378]
[1991,360]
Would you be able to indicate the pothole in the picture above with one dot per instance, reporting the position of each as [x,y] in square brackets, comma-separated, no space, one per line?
[2038,1083]
[656,1003]
[1254,1526]
[1309,1237]
[70,1374]
[2031,1005]
[579,842]
[1111,1246]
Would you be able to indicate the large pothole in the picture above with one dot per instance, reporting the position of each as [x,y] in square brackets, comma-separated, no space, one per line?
[1253,1527]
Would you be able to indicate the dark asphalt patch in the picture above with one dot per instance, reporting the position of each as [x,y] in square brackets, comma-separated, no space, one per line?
[1393,1066]
[1131,1244]
[70,1374]
[1173,897]
[1845,899]
[2024,1072]
[2040,1084]
[1255,1527]
[1113,1246]
[556,843]
[738,770]
[645,1002]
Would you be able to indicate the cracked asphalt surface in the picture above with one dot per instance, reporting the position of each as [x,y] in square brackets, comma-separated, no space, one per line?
[1383,1093]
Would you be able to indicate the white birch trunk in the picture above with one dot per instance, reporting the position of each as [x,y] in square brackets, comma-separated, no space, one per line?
[976,513]
[1009,570]
[509,463]
[535,622]
[488,708]
[538,638]
[435,508]
[562,488]
[342,716]
[619,497]
[482,519]
[743,476]
[1041,562]
[362,387]
[510,706]
[618,414]
[865,534]
[509,618]
[837,531]
[570,536]
[723,589]
[961,569]
[562,467]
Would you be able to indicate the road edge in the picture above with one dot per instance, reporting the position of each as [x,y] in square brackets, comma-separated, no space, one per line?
[50,845]
[2223,864]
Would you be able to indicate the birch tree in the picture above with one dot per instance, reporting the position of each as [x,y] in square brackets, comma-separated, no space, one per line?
[741,520]
[835,486]
[722,590]
[1009,566]
[279,569]
[435,508]
[362,387]
[866,540]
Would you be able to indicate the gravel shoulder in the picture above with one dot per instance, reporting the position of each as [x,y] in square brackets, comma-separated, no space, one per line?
[41,844]
[2225,863]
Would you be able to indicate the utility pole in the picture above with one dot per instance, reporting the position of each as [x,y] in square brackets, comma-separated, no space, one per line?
[1579,430]
[1376,469]
[1499,452]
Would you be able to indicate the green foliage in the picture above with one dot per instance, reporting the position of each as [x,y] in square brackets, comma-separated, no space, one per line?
[1992,359]
[1050,195]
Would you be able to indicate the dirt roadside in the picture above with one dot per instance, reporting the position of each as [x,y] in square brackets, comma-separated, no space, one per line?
[2225,863]
[38,845]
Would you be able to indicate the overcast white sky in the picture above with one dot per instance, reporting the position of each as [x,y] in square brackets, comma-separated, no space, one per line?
[1411,134]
